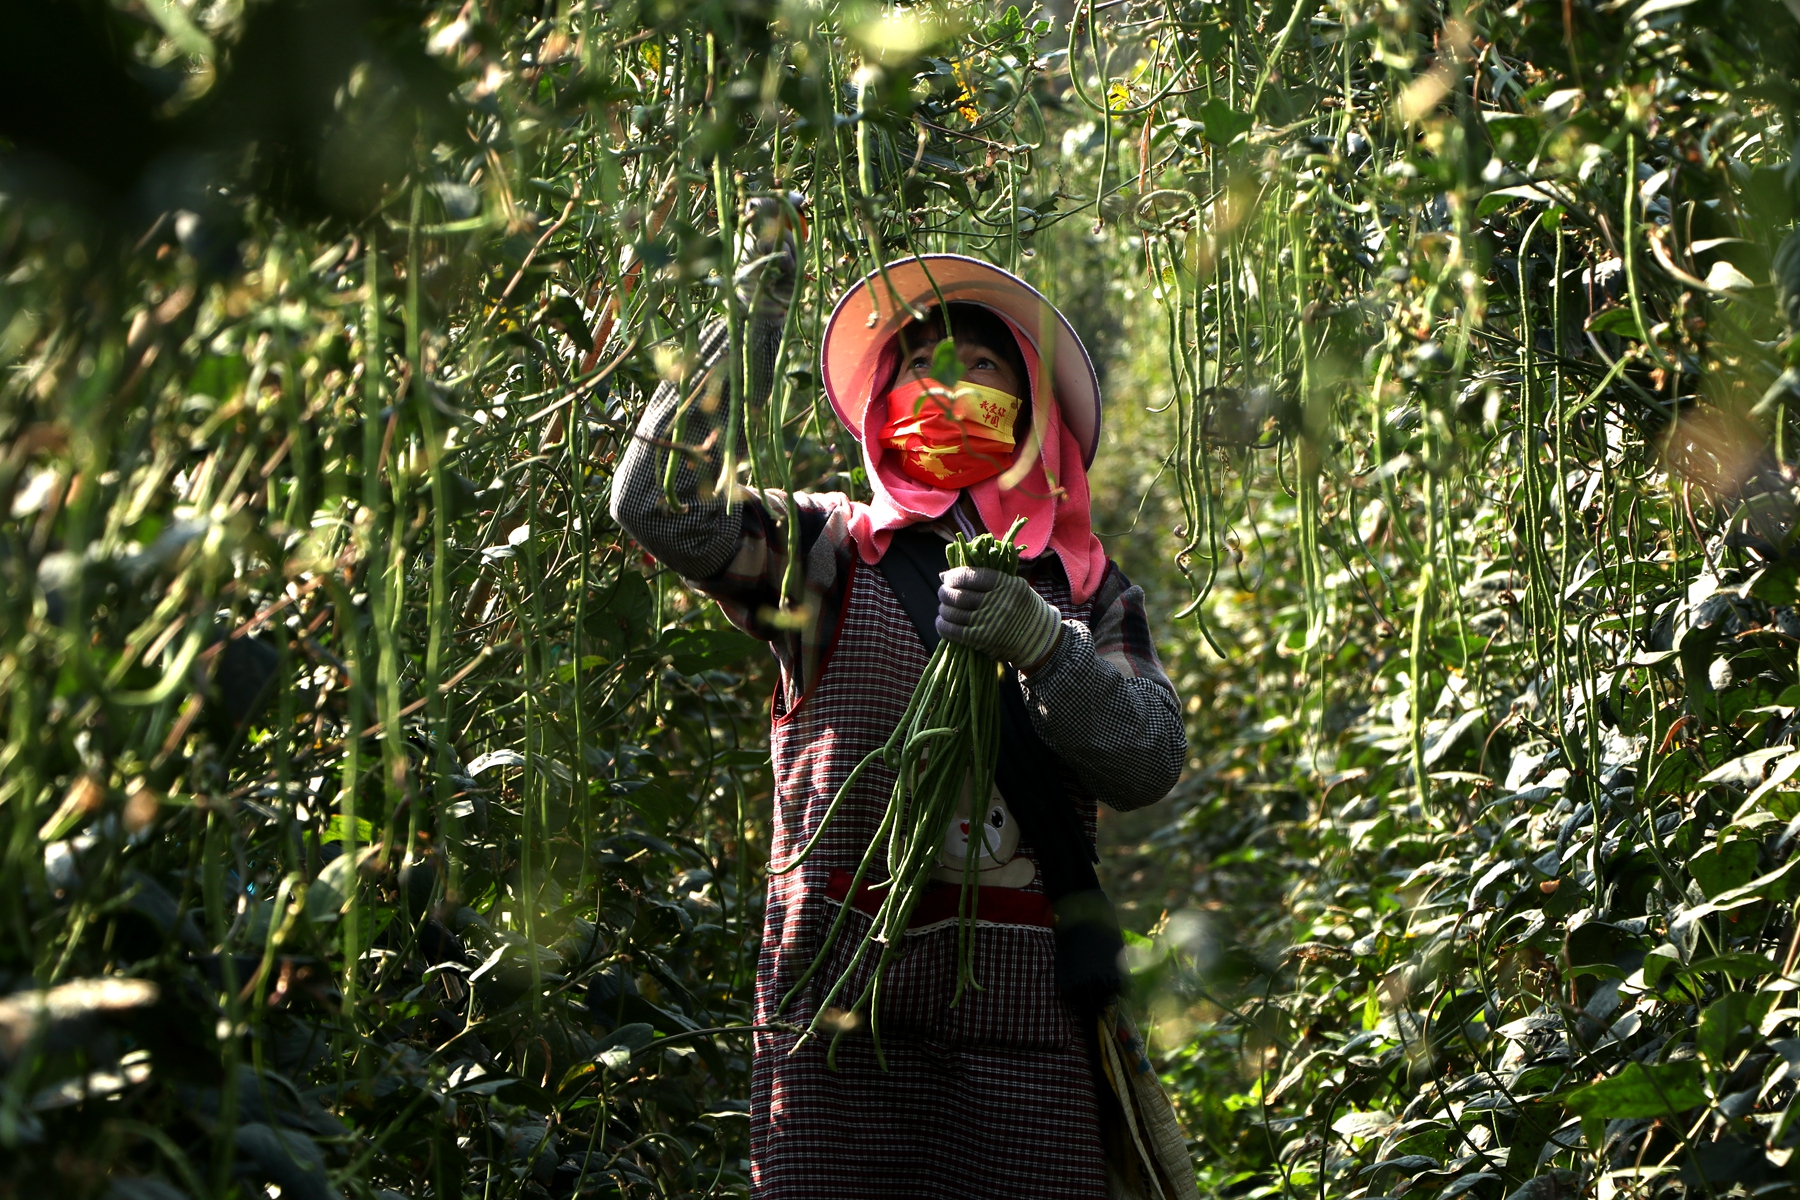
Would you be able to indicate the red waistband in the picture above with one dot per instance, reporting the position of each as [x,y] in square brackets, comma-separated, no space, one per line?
[994,905]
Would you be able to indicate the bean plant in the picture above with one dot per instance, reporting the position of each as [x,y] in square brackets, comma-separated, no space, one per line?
[1471,355]
[379,820]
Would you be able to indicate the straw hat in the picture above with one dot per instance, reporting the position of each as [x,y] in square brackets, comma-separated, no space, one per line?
[872,312]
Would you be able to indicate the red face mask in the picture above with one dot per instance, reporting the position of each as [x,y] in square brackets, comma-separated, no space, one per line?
[950,438]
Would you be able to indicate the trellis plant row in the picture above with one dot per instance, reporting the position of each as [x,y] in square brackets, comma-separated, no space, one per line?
[1474,347]
[382,820]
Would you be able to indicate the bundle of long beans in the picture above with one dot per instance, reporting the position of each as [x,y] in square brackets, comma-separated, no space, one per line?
[943,752]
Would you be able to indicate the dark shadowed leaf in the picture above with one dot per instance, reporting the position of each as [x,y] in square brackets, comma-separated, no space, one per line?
[289,1159]
[695,650]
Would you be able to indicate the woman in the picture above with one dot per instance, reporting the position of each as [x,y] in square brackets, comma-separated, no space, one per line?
[1005,1094]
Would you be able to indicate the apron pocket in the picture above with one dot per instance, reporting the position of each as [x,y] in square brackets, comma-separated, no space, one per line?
[1017,1006]
[916,986]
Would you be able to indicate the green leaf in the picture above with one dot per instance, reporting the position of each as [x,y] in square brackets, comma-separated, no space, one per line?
[329,894]
[1593,1128]
[697,650]
[1738,965]
[659,808]
[336,828]
[1778,583]
[1536,1120]
[1222,125]
[1499,198]
[1720,868]
[661,1019]
[946,368]
[1723,1018]
[1772,516]
[1659,962]
[1363,1124]
[616,1051]
[1746,770]
[565,314]
[1657,1090]
[589,663]
[1618,319]
[219,376]
[634,1036]
[1767,196]
[1515,137]
[1425,1137]
[175,22]
[618,614]
[1776,885]
[1599,942]
[1009,25]
[485,1087]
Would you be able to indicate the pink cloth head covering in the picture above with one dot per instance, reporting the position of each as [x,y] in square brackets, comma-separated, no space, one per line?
[1058,520]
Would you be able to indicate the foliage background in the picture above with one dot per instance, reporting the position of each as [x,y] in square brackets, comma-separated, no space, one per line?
[378,821]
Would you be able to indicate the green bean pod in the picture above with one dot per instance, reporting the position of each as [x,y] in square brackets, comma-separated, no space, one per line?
[946,744]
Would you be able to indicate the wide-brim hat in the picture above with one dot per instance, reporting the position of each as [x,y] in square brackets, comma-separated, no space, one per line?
[871,313]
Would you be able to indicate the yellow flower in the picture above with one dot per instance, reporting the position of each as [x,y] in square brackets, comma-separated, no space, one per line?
[965,100]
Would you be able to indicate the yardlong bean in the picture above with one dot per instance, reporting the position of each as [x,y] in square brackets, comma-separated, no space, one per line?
[943,753]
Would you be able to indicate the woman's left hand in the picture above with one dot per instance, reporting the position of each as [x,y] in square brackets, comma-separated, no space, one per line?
[997,614]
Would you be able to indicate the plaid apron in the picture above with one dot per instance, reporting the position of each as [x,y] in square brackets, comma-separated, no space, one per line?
[991,1100]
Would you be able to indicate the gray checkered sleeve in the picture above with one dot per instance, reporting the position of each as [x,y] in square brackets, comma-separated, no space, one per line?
[697,536]
[698,533]
[1103,703]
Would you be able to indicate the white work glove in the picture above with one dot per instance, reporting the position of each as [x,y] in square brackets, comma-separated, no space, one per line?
[768,254]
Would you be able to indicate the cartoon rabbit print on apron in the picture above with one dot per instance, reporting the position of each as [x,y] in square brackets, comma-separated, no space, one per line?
[1000,864]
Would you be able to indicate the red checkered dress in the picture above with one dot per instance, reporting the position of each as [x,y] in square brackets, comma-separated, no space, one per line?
[990,1099]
